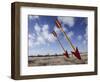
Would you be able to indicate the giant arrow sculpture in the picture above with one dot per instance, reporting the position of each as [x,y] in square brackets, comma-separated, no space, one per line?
[65,51]
[75,51]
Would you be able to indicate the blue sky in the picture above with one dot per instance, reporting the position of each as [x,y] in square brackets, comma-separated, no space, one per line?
[42,42]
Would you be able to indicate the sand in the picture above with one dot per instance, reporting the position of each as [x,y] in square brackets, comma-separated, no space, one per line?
[56,60]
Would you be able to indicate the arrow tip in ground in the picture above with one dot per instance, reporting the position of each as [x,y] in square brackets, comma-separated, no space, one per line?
[77,54]
[66,54]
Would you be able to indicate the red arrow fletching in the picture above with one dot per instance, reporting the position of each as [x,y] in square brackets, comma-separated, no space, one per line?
[66,54]
[77,54]
[58,24]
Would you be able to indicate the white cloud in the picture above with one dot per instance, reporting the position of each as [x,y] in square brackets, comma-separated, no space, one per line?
[79,37]
[45,27]
[32,36]
[51,38]
[67,20]
[30,43]
[40,40]
[41,36]
[46,35]
[32,39]
[37,28]
[57,30]
[31,17]
[70,34]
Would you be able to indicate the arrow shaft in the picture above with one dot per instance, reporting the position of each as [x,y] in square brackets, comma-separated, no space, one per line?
[67,38]
[55,35]
[76,52]
[61,45]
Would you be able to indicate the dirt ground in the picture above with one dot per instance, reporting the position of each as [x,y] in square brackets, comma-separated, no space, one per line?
[56,60]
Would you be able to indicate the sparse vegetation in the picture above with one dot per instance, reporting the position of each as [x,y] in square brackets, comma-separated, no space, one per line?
[45,60]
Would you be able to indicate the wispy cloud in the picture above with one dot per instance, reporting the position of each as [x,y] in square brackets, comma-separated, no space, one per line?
[67,20]
[46,34]
[79,37]
[31,38]
[57,30]
[40,36]
[70,34]
[37,28]
[31,17]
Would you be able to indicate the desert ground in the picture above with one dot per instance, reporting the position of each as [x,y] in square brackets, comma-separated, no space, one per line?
[56,60]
